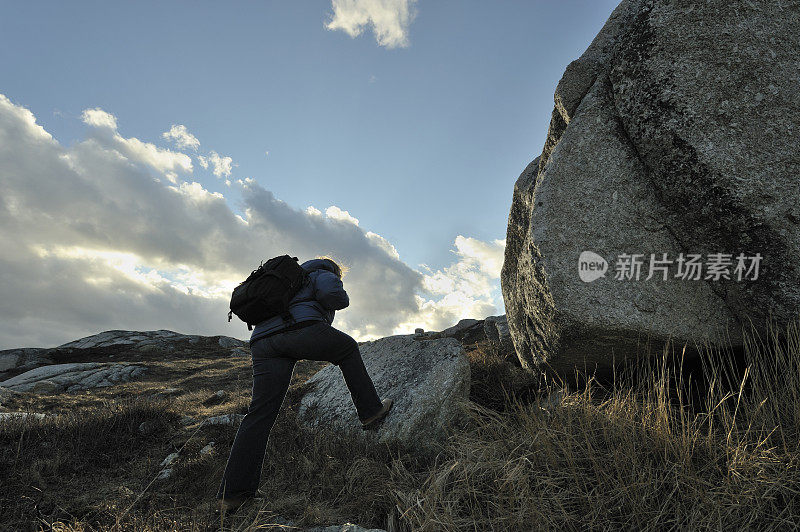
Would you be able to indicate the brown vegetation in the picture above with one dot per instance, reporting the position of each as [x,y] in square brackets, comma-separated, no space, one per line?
[642,453]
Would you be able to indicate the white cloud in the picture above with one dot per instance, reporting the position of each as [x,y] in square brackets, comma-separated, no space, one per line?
[110,247]
[486,256]
[389,19]
[220,166]
[382,243]
[98,118]
[181,137]
[335,213]
[195,192]
[468,288]
[166,162]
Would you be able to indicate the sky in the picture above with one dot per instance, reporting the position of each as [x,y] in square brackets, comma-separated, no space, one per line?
[153,153]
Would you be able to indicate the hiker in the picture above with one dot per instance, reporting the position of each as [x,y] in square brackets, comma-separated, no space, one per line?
[276,344]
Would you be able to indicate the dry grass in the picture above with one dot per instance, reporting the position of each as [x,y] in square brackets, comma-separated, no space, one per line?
[653,451]
[641,455]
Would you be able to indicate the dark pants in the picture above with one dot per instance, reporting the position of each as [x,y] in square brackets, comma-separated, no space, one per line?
[273,362]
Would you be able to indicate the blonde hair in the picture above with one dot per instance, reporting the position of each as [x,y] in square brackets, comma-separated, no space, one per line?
[339,269]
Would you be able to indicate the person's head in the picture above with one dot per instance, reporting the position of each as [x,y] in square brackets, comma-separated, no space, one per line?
[337,269]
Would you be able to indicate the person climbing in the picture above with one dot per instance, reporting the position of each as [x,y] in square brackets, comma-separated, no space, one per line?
[276,346]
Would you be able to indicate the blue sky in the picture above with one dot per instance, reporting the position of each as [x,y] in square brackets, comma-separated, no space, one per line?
[420,137]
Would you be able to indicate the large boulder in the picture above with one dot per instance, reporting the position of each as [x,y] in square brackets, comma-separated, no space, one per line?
[72,377]
[427,379]
[676,132]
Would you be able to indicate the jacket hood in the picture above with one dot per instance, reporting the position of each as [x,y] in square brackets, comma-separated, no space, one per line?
[318,264]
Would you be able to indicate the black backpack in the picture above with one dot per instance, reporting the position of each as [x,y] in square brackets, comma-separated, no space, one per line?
[267,291]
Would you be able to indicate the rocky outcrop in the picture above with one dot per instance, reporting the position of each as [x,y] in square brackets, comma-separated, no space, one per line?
[114,343]
[676,132]
[466,331]
[17,360]
[161,340]
[426,379]
[495,328]
[72,377]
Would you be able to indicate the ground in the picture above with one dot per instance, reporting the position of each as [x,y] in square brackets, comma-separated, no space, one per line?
[636,453]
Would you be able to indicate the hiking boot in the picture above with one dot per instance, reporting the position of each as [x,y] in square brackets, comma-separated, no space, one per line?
[229,505]
[372,422]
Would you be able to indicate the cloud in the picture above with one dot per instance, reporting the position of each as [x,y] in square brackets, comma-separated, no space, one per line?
[93,242]
[167,163]
[381,242]
[335,213]
[220,166]
[389,19]
[98,118]
[181,137]
[485,256]
[468,288]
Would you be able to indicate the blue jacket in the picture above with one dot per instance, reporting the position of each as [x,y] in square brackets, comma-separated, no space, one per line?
[316,301]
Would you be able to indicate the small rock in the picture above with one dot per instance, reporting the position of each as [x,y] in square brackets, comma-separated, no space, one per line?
[169,460]
[148,427]
[164,474]
[225,419]
[46,387]
[218,397]
[208,449]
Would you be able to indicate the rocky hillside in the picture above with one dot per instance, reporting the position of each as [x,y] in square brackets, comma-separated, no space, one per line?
[154,412]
